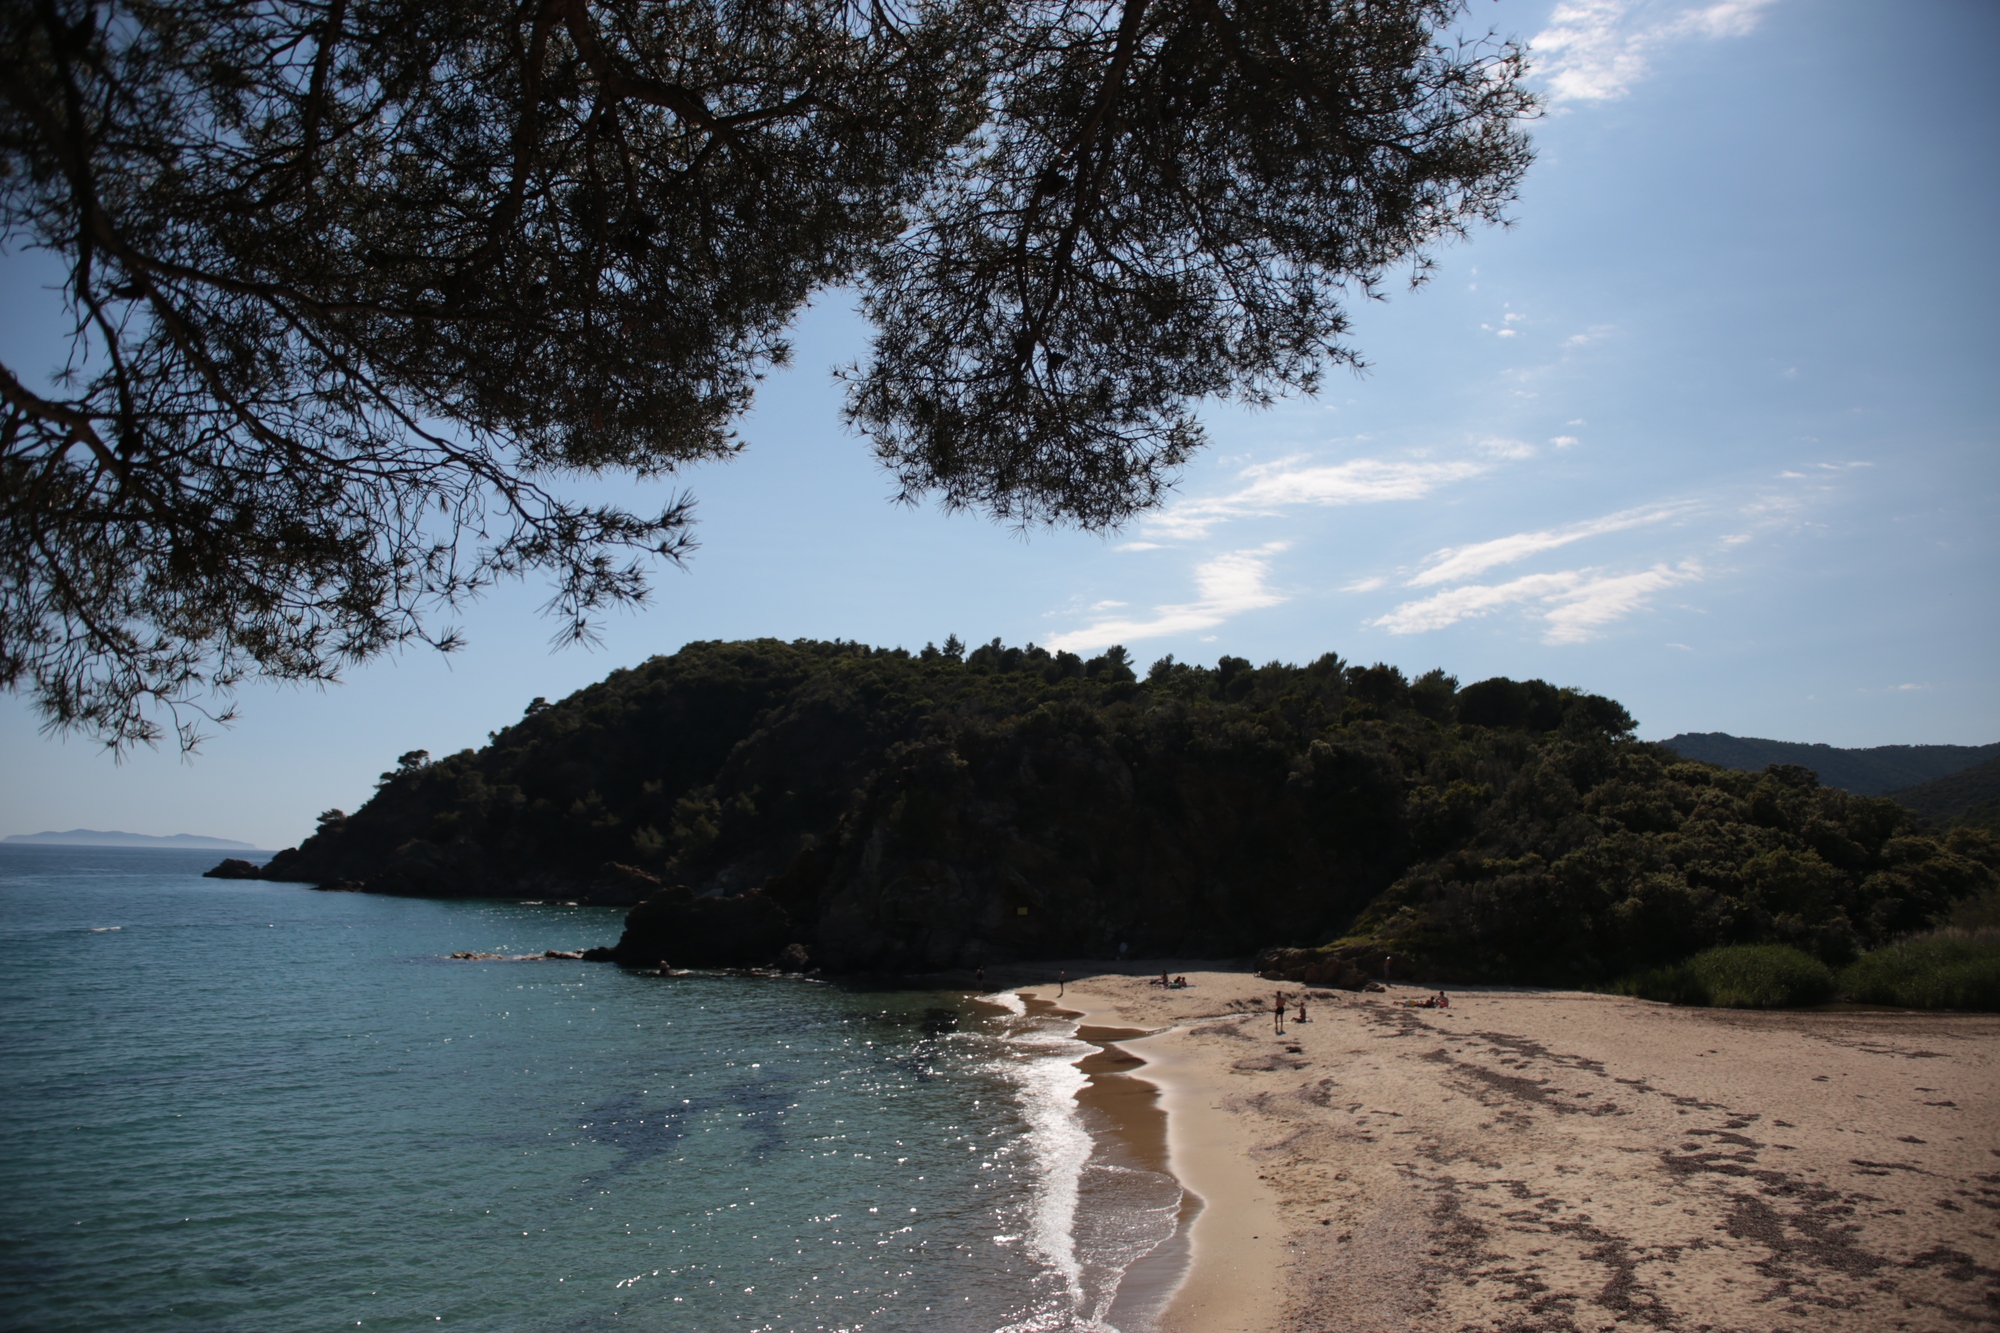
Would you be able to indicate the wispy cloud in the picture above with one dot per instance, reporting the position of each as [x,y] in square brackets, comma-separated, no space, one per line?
[1596,602]
[1595,50]
[1289,483]
[1573,603]
[1229,584]
[1497,446]
[1463,562]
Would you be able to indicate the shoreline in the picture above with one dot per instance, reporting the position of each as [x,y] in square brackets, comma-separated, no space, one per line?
[1548,1160]
[1209,1274]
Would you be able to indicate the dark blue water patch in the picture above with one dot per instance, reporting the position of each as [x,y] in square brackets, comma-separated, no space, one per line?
[245,1109]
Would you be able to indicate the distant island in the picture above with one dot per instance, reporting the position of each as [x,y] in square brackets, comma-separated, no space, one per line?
[90,837]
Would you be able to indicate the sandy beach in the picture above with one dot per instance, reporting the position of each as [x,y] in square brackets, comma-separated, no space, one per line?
[1543,1160]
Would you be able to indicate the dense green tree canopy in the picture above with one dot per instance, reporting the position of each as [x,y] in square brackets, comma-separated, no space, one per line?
[355,283]
[897,810]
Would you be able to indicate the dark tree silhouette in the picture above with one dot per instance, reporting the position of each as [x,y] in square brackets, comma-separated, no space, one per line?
[356,283]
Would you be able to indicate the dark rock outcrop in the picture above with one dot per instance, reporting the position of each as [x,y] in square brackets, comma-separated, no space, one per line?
[1350,968]
[620,886]
[233,868]
[675,927]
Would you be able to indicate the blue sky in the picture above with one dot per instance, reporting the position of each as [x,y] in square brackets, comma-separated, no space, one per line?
[1710,429]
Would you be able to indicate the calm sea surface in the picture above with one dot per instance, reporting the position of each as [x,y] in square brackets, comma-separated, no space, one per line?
[229,1105]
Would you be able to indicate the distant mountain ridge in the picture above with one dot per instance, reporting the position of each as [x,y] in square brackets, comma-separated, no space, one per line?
[90,837]
[1874,771]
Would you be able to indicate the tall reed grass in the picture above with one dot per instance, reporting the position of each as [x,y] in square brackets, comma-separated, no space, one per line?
[1738,976]
[1951,968]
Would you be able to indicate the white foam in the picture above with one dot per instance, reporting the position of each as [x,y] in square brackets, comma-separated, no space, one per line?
[1130,1212]
[1061,1146]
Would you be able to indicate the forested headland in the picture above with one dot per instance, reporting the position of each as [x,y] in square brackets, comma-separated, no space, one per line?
[888,810]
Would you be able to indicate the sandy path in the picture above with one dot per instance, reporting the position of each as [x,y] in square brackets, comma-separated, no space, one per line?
[1531,1161]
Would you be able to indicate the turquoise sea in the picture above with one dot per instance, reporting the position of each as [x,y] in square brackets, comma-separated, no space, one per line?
[245,1106]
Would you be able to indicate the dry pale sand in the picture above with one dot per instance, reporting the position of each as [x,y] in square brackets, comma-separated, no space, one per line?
[1535,1160]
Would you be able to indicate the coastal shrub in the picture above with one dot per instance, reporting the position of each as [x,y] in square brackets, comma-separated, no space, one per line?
[1946,969]
[1737,976]
[1762,976]
[1674,984]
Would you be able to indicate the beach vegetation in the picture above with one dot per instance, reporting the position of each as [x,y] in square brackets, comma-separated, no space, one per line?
[1953,968]
[1738,976]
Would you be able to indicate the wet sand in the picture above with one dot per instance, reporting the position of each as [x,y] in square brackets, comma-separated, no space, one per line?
[1532,1161]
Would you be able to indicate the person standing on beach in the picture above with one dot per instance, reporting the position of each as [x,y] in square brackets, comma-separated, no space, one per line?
[1278,1013]
[1062,980]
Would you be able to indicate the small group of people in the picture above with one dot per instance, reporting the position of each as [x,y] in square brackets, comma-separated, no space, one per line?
[1278,1012]
[1178,983]
[1437,1001]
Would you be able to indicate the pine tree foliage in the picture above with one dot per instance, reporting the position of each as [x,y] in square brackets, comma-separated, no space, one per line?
[356,285]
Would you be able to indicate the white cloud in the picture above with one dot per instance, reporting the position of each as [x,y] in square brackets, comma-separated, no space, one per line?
[1595,50]
[1596,333]
[1600,601]
[1463,562]
[1276,486]
[1137,546]
[1456,604]
[1496,446]
[1572,602]
[1364,585]
[1564,441]
[1229,585]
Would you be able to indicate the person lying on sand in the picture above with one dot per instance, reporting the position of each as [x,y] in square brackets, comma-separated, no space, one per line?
[1181,983]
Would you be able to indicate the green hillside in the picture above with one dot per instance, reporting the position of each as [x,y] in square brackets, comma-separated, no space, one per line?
[1968,798]
[1874,771]
[888,810]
